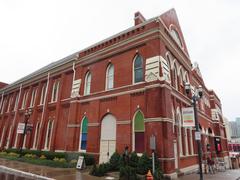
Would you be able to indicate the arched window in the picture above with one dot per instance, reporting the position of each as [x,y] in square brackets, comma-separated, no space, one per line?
[176,37]
[175,76]
[138,69]
[138,134]
[87,85]
[83,134]
[179,120]
[48,135]
[109,77]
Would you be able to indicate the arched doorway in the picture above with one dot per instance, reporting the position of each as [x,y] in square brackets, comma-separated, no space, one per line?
[108,138]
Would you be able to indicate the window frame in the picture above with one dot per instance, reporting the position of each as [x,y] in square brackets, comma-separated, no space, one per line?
[87,83]
[138,68]
[109,77]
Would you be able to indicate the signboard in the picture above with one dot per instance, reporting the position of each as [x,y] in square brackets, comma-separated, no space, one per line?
[75,88]
[80,163]
[152,142]
[188,117]
[20,128]
[29,127]
[197,135]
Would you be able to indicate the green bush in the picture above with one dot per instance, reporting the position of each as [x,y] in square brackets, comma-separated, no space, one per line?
[144,164]
[114,161]
[100,170]
[133,160]
[158,175]
[127,173]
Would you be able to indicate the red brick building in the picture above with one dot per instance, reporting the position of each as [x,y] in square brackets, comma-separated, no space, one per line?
[117,93]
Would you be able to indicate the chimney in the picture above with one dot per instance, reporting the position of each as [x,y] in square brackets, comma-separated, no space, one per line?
[138,18]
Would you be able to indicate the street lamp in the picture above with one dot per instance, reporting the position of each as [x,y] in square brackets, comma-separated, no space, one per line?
[27,115]
[195,97]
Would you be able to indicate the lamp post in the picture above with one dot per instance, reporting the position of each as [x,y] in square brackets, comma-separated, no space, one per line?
[27,115]
[195,97]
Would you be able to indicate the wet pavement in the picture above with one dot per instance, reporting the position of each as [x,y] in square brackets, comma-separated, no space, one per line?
[54,173]
[49,173]
[227,175]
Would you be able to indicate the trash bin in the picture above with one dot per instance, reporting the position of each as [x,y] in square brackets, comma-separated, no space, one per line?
[235,164]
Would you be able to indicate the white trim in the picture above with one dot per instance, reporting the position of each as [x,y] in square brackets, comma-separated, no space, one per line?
[80,138]
[73,125]
[191,141]
[189,169]
[158,119]
[47,144]
[37,128]
[24,141]
[8,138]
[54,97]
[186,141]
[133,69]
[93,124]
[3,133]
[122,122]
[108,77]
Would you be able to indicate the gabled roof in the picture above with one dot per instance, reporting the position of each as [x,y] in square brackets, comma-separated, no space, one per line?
[170,19]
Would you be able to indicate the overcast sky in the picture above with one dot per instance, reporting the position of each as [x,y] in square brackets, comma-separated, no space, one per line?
[36,33]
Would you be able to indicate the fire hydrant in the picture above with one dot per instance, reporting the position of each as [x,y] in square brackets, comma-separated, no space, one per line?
[149,175]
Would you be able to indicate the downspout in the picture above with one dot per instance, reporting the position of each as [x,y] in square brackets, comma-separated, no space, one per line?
[44,103]
[74,74]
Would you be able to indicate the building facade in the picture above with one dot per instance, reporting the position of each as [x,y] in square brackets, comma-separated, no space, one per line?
[115,94]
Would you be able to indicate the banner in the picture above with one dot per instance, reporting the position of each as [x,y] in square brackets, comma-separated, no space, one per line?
[188,117]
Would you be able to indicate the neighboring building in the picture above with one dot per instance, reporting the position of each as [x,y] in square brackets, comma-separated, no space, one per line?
[235,128]
[117,93]
[227,128]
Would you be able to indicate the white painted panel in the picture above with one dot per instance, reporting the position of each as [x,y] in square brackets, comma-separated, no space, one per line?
[108,128]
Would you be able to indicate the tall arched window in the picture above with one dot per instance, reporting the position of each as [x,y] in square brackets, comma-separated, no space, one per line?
[179,120]
[175,76]
[87,85]
[109,77]
[48,135]
[176,37]
[138,69]
[83,134]
[138,132]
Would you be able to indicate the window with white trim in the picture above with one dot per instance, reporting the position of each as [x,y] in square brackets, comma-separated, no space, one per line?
[48,135]
[10,103]
[87,83]
[175,76]
[138,69]
[43,93]
[55,91]
[16,102]
[3,105]
[176,37]
[110,77]
[24,101]
[33,98]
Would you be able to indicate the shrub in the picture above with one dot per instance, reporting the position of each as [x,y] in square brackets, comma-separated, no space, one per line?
[73,161]
[88,158]
[144,164]
[100,170]
[51,155]
[133,160]
[42,157]
[127,173]
[158,175]
[114,161]
[30,156]
[3,153]
[13,154]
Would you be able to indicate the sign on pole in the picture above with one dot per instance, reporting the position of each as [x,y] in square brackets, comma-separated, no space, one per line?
[20,128]
[197,135]
[188,117]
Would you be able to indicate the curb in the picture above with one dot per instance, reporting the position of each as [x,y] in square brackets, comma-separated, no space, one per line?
[23,173]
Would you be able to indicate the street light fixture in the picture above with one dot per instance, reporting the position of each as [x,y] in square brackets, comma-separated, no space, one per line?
[195,97]
[27,115]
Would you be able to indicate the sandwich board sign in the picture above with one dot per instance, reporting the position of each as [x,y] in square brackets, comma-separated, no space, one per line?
[188,117]
[80,163]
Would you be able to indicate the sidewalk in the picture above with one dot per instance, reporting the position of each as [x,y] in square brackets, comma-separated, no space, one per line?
[49,172]
[227,175]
